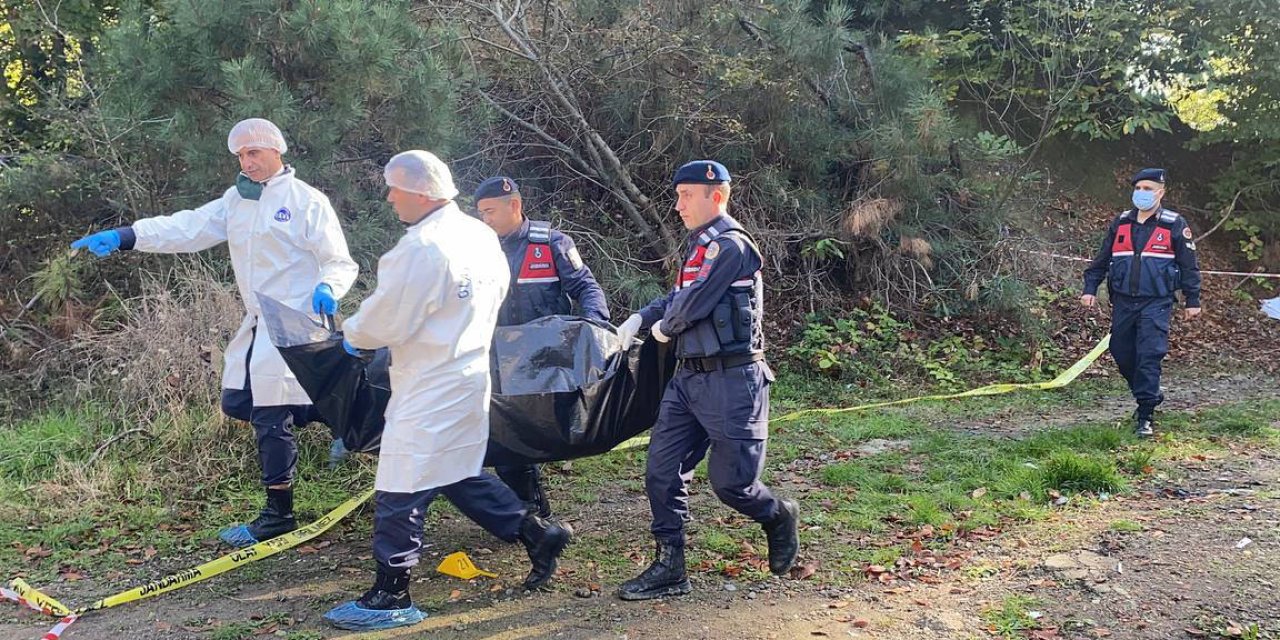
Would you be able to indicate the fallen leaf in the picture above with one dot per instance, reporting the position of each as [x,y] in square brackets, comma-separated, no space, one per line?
[149,553]
[862,623]
[455,594]
[875,569]
[37,551]
[806,570]
[71,576]
[979,492]
[307,549]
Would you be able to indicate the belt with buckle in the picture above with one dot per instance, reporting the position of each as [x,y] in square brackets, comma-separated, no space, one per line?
[707,365]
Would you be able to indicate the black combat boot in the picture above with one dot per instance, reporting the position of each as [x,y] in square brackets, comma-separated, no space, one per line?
[275,519]
[1144,426]
[544,540]
[386,605]
[390,590]
[784,541]
[665,577]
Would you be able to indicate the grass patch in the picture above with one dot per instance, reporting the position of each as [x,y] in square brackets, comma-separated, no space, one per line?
[1253,420]
[1125,526]
[1072,472]
[146,497]
[1012,618]
[234,631]
[956,482]
[1139,462]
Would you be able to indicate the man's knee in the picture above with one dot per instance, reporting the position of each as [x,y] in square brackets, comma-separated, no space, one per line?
[237,404]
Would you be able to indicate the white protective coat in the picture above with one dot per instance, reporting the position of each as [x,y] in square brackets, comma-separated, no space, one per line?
[282,245]
[436,305]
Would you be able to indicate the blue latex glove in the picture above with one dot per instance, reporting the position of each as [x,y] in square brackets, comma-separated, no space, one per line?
[337,453]
[102,243]
[322,300]
[350,349]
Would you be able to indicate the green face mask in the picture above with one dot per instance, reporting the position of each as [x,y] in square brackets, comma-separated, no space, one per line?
[247,188]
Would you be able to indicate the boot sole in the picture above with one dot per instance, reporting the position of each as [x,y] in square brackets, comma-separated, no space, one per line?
[678,589]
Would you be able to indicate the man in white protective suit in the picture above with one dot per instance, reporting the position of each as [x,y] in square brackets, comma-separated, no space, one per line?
[436,306]
[286,243]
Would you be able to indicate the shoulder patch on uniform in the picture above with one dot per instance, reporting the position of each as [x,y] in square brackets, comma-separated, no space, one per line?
[713,250]
[539,231]
[1186,232]
[1168,216]
[575,259]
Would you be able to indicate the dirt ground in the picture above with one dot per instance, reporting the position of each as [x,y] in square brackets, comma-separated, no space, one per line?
[1191,553]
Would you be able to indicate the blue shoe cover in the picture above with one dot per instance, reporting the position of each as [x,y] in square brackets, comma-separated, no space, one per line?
[353,617]
[237,536]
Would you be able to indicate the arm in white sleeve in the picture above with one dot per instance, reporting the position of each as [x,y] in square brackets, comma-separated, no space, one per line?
[410,283]
[183,232]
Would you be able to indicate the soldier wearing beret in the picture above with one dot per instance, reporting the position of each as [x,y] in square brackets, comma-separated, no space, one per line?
[547,277]
[1147,255]
[717,403]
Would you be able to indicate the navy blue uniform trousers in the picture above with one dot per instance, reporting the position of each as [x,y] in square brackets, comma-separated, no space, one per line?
[273,427]
[398,517]
[1139,342]
[726,412]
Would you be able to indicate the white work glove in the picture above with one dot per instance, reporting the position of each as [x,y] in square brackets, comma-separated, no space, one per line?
[658,335]
[627,331]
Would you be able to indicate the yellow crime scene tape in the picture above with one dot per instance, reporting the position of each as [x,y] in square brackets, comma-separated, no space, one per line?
[1063,379]
[24,594]
[19,591]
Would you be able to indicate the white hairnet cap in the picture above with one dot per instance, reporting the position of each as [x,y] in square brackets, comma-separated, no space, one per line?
[421,172]
[255,133]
